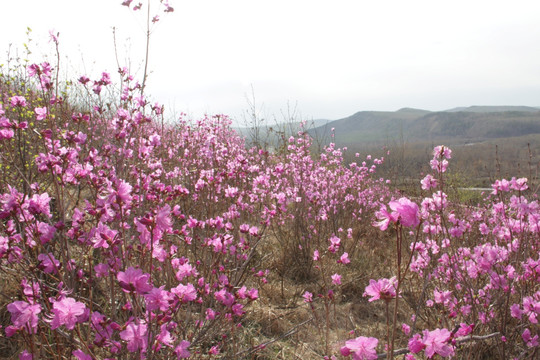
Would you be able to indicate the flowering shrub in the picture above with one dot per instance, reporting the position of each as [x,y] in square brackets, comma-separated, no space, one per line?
[471,270]
[123,235]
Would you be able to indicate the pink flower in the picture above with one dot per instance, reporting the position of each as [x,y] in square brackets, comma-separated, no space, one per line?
[529,340]
[405,328]
[18,101]
[53,36]
[344,259]
[334,244]
[428,182]
[158,298]
[407,212]
[436,342]
[134,280]
[46,232]
[224,297]
[415,344]
[182,351]
[385,218]
[384,289]
[24,315]
[33,69]
[439,165]
[186,293]
[308,297]
[41,113]
[442,151]
[80,355]
[25,355]
[361,348]
[39,204]
[48,263]
[336,279]
[67,312]
[136,336]
[101,270]
[464,329]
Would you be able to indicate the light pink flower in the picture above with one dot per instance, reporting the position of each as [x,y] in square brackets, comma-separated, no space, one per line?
[361,348]
[182,351]
[384,289]
[530,340]
[24,315]
[67,312]
[436,342]
[41,113]
[442,151]
[136,336]
[18,101]
[336,279]
[407,212]
[308,297]
[186,293]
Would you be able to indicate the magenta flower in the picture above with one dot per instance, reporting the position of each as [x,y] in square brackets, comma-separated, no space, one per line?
[67,312]
[442,151]
[18,101]
[163,218]
[158,298]
[385,218]
[48,263]
[25,355]
[344,259]
[134,280]
[186,293]
[308,297]
[384,289]
[136,336]
[407,212]
[530,340]
[415,344]
[436,342]
[181,350]
[39,204]
[24,315]
[361,348]
[336,279]
[428,182]
[81,355]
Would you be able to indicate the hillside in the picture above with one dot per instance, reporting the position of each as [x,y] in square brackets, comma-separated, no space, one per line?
[473,124]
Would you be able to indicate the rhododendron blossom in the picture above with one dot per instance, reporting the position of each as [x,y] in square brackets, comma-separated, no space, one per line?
[384,289]
[361,348]
[134,280]
[68,312]
[24,315]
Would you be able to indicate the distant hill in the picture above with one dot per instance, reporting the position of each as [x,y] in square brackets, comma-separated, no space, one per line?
[488,109]
[459,125]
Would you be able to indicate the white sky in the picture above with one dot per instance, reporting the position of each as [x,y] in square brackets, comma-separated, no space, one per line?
[329,59]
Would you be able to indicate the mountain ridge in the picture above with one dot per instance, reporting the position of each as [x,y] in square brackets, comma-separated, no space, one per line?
[473,123]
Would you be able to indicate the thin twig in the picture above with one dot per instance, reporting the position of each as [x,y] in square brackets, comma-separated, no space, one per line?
[252,350]
[458,340]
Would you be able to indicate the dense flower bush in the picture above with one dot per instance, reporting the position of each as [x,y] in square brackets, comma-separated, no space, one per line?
[123,235]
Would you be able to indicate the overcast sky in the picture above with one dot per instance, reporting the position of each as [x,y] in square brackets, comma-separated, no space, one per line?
[328,59]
